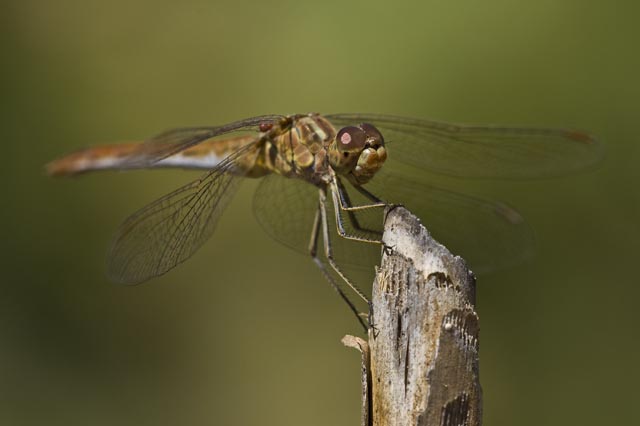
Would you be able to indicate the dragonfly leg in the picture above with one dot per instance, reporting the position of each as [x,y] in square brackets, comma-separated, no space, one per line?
[313,250]
[341,203]
[328,251]
[346,205]
[369,195]
[345,202]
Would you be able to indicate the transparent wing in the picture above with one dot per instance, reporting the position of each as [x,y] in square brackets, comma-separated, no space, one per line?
[168,231]
[173,141]
[481,151]
[286,208]
[488,234]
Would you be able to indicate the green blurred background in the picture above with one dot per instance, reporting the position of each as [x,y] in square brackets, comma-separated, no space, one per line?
[230,337]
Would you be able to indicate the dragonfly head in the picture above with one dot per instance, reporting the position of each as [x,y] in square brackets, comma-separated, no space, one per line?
[358,152]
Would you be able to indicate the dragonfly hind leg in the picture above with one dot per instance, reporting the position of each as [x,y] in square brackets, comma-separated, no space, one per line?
[320,225]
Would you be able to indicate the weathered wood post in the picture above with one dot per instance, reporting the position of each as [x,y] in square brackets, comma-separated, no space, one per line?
[420,365]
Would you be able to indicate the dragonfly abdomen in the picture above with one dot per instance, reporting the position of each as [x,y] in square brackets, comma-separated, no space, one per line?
[205,155]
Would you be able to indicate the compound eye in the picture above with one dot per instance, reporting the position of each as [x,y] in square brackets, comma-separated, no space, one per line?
[351,138]
[372,132]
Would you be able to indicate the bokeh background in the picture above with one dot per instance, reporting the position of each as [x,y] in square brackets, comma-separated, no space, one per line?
[247,332]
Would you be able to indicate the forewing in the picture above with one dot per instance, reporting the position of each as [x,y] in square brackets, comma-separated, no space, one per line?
[481,151]
[173,141]
[168,231]
[488,234]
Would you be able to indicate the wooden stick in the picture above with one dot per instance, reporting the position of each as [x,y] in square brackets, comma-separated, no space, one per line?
[423,346]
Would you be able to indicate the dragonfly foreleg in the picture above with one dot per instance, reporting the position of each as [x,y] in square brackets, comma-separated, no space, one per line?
[345,201]
[369,195]
[342,202]
[346,205]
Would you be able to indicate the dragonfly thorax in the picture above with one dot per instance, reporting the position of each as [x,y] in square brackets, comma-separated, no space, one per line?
[300,151]
[357,153]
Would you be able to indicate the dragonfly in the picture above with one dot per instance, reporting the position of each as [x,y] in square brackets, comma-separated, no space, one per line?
[325,182]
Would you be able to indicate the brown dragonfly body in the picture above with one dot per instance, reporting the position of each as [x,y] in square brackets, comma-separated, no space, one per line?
[297,146]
